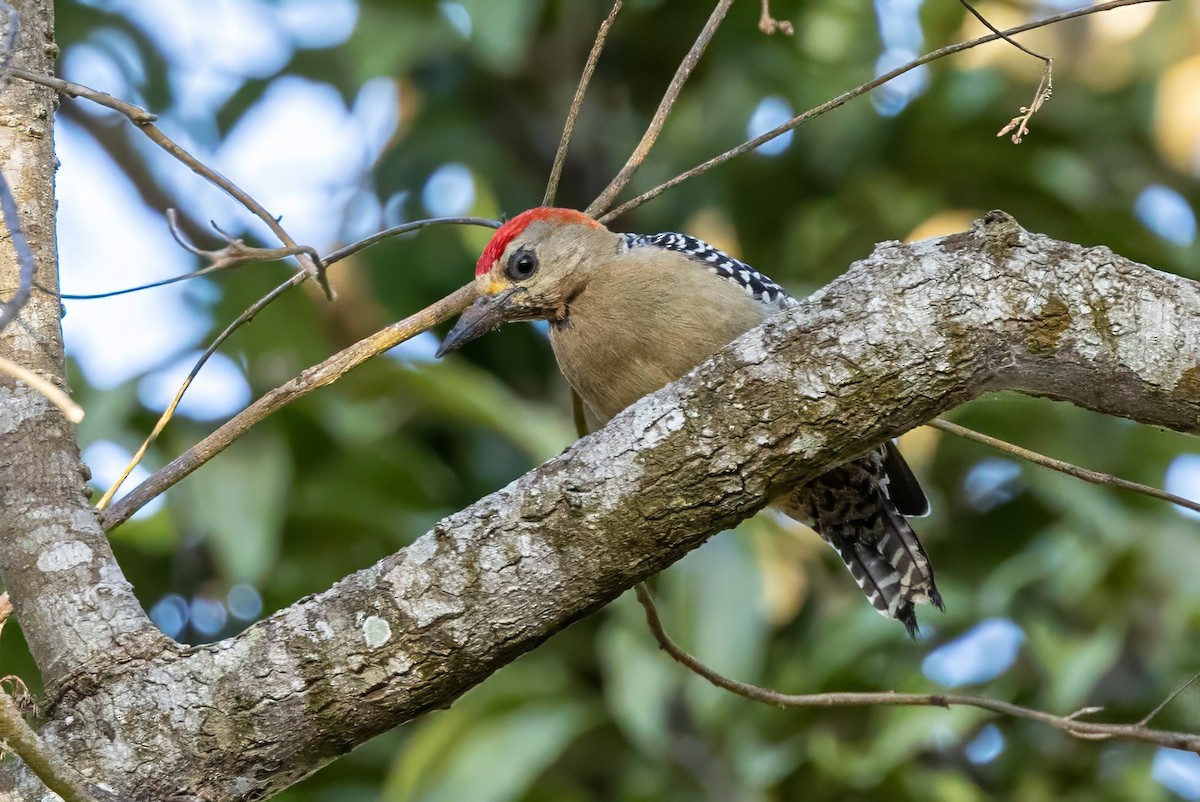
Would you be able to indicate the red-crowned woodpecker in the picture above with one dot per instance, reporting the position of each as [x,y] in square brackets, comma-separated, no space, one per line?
[622,326]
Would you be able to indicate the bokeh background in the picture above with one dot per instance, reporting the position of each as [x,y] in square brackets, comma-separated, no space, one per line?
[346,116]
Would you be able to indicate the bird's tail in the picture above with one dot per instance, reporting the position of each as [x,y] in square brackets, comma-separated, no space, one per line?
[850,508]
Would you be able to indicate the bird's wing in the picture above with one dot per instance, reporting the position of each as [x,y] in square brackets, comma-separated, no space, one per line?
[902,486]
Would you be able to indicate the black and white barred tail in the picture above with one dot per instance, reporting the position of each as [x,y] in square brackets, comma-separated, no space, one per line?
[854,509]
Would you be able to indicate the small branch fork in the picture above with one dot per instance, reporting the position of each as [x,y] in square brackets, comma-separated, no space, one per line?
[144,121]
[769,25]
[1045,86]
[235,254]
[1070,724]
[1021,121]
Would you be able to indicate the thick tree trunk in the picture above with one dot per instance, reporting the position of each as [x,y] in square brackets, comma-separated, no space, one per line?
[73,604]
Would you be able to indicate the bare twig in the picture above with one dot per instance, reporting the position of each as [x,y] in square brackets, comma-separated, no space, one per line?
[144,121]
[169,412]
[135,113]
[1045,86]
[317,376]
[1170,698]
[1070,724]
[639,154]
[589,68]
[407,228]
[258,306]
[1095,477]
[862,89]
[235,254]
[769,25]
[1021,121]
[70,410]
[987,24]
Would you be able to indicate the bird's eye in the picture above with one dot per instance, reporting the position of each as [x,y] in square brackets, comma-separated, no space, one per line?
[522,265]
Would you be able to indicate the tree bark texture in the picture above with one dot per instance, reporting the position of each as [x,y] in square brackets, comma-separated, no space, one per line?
[906,334]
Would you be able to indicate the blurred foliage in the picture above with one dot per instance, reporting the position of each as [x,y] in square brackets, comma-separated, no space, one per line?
[1102,583]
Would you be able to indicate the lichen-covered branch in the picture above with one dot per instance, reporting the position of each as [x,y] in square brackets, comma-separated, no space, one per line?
[903,336]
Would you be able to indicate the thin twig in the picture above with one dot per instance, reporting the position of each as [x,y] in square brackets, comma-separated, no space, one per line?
[165,418]
[249,314]
[1095,477]
[1087,730]
[589,68]
[639,154]
[317,376]
[769,25]
[135,113]
[235,254]
[406,228]
[70,410]
[1170,698]
[842,99]
[987,24]
[1021,121]
[144,122]
[1045,86]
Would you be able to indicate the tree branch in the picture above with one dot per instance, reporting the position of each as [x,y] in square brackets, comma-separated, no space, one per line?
[1093,477]
[144,121]
[311,379]
[906,334]
[1071,724]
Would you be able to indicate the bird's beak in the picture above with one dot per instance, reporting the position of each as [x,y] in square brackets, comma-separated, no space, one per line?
[485,315]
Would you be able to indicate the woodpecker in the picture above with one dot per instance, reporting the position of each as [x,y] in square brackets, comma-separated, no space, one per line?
[630,313]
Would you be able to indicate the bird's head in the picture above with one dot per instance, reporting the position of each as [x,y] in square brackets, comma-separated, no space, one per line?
[532,268]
